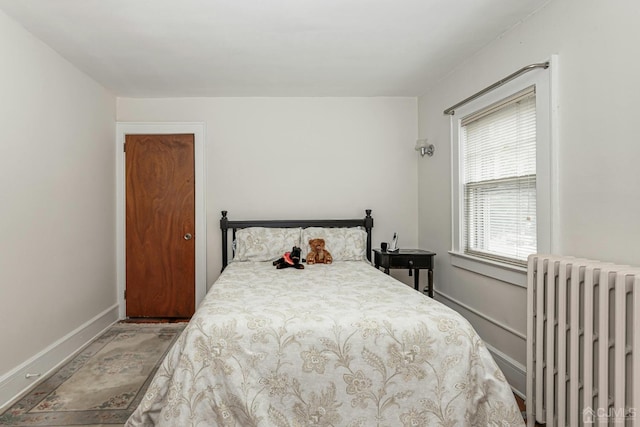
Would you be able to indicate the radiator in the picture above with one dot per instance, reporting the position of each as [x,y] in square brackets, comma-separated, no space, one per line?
[583,342]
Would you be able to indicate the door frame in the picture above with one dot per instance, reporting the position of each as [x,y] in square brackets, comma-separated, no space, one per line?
[198,131]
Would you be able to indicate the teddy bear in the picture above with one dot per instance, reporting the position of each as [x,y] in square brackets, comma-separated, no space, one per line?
[318,253]
[290,259]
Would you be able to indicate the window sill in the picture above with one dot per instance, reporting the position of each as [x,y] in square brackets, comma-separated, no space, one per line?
[503,272]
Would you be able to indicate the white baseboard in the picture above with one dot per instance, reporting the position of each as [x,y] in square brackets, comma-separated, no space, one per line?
[514,371]
[14,384]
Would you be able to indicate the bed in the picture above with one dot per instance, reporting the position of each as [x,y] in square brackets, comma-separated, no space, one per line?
[328,345]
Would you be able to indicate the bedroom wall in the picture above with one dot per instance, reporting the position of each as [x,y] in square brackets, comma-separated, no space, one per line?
[598,180]
[57,187]
[301,158]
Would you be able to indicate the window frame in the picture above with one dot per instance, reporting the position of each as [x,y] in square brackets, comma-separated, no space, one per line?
[546,110]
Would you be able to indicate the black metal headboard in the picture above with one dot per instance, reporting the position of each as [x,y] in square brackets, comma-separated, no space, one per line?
[225,225]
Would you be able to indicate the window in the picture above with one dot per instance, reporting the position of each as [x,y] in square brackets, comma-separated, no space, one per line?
[498,146]
[501,178]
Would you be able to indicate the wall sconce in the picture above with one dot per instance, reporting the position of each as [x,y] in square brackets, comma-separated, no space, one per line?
[423,146]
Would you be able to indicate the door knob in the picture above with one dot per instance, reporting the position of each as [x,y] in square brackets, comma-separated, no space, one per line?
[188,236]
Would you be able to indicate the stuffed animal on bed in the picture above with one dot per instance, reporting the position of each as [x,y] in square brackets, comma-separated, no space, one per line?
[318,254]
[290,259]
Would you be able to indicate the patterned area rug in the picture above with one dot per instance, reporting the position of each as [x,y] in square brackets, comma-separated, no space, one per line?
[103,384]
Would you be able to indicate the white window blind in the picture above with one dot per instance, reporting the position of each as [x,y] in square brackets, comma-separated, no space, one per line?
[499,179]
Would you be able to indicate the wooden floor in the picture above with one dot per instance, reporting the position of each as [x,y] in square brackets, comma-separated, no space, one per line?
[154,320]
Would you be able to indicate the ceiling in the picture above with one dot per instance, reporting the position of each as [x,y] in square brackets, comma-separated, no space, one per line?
[171,48]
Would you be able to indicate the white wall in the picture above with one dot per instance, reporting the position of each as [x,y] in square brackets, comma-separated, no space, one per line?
[301,158]
[57,187]
[599,183]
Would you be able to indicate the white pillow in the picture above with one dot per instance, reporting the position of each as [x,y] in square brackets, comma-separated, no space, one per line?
[264,243]
[344,244]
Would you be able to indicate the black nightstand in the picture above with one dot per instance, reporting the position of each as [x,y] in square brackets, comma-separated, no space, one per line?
[411,259]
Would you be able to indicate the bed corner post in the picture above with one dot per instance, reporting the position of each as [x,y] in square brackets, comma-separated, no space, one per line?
[224,226]
[368,225]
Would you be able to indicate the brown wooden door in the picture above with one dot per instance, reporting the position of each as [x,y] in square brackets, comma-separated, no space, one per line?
[160,225]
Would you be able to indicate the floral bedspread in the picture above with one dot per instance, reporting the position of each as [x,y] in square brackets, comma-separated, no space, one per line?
[330,345]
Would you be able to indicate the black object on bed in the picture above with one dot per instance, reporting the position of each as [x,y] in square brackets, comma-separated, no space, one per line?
[226,224]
